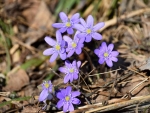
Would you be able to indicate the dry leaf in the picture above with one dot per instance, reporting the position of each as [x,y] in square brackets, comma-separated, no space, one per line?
[146,66]
[16,79]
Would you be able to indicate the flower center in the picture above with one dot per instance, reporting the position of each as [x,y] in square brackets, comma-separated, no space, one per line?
[57,47]
[74,44]
[71,70]
[105,54]
[67,98]
[88,31]
[68,24]
[46,85]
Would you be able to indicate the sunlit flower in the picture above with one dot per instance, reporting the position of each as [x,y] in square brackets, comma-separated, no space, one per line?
[88,30]
[47,89]
[71,70]
[106,54]
[57,47]
[68,24]
[74,45]
[67,99]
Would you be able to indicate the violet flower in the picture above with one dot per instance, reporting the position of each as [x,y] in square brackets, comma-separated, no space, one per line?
[71,70]
[74,45]
[88,30]
[47,89]
[106,54]
[57,47]
[67,99]
[68,24]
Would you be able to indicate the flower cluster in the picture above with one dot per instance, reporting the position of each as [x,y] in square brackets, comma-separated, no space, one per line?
[106,54]
[65,46]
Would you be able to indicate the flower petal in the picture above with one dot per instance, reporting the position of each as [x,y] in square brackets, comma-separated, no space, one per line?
[71,108]
[48,52]
[114,53]
[63,17]
[82,35]
[63,56]
[59,95]
[76,101]
[58,36]
[43,95]
[78,50]
[66,78]
[78,63]
[83,22]
[67,63]
[71,77]
[109,62]
[75,18]
[68,90]
[114,59]
[66,107]
[75,76]
[50,41]
[60,103]
[101,60]
[79,27]
[63,29]
[70,30]
[49,97]
[90,21]
[98,26]
[103,45]
[70,53]
[96,51]
[75,36]
[75,93]
[58,25]
[110,47]
[67,39]
[53,57]
[97,36]
[63,69]
[88,38]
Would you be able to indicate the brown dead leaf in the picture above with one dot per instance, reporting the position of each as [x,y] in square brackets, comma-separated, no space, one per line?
[146,66]
[16,79]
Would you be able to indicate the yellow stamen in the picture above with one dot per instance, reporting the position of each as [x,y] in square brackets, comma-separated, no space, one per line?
[88,31]
[105,54]
[67,98]
[68,24]
[46,85]
[71,70]
[74,45]
[57,47]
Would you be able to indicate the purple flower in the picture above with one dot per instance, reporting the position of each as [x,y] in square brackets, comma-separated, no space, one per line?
[71,70]
[68,24]
[88,30]
[67,99]
[106,54]
[57,47]
[47,89]
[74,45]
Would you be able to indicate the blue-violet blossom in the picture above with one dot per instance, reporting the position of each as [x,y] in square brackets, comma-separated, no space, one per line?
[68,24]
[74,45]
[57,47]
[88,30]
[67,99]
[47,90]
[71,70]
[106,54]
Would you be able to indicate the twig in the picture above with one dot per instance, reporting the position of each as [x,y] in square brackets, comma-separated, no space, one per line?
[122,17]
[121,104]
[105,72]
